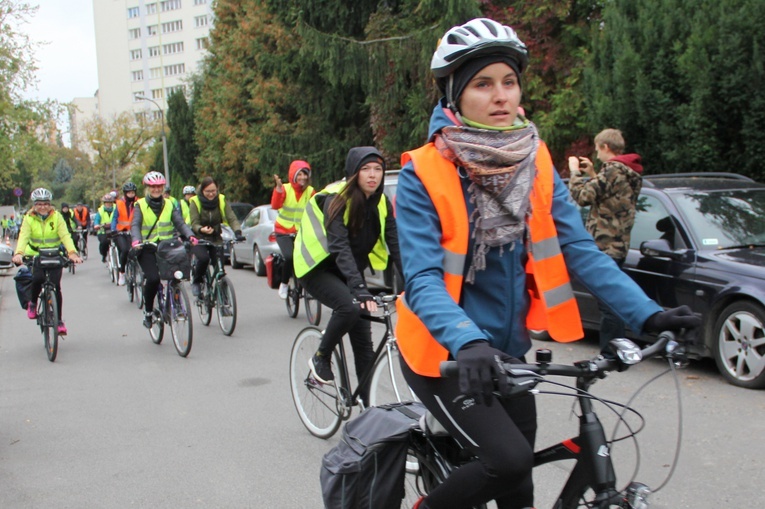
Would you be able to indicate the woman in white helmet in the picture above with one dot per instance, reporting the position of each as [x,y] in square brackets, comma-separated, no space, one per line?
[488,235]
[43,227]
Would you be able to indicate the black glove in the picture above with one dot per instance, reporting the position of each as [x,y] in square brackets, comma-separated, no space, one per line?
[362,294]
[672,319]
[478,365]
[240,238]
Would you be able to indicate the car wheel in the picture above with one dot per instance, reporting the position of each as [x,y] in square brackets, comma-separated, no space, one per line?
[739,345]
[234,263]
[257,262]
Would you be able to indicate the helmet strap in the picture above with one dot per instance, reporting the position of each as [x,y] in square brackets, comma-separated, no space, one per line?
[449,97]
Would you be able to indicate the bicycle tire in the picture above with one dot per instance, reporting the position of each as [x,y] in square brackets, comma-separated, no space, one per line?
[138,284]
[579,494]
[204,304]
[130,282]
[312,308]
[225,305]
[293,297]
[181,326]
[316,403]
[387,387]
[115,266]
[50,324]
[157,330]
[82,247]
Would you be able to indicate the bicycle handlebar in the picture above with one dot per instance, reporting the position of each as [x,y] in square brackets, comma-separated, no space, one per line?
[530,374]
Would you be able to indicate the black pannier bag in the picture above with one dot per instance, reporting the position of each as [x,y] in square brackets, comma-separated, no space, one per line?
[172,257]
[274,267]
[23,279]
[367,468]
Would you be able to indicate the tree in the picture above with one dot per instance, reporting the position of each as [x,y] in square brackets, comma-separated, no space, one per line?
[181,148]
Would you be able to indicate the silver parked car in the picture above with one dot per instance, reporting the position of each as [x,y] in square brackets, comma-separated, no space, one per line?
[260,241]
[6,253]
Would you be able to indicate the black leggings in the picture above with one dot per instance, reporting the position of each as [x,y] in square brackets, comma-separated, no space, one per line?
[203,254]
[103,245]
[332,291]
[38,278]
[501,436]
[123,246]
[286,244]
[148,261]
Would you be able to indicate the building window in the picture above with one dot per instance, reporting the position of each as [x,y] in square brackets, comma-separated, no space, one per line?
[135,54]
[153,51]
[156,93]
[203,43]
[133,12]
[151,8]
[178,88]
[136,96]
[170,49]
[137,75]
[200,2]
[201,21]
[170,5]
[173,26]
[151,30]
[175,70]
[155,72]
[134,33]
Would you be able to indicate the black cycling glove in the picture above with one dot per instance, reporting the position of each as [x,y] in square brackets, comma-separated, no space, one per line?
[672,319]
[362,294]
[478,365]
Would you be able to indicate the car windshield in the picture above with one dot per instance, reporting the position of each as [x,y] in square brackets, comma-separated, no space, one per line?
[724,219]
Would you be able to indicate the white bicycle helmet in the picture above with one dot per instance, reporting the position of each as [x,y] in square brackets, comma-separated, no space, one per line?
[154,178]
[189,190]
[480,36]
[107,198]
[41,194]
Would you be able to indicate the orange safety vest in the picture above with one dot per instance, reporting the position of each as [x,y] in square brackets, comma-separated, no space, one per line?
[123,218]
[553,306]
[82,216]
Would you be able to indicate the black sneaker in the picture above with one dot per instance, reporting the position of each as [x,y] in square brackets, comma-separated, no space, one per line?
[321,368]
[147,319]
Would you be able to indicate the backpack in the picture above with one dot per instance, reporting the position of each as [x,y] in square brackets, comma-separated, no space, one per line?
[23,279]
[366,469]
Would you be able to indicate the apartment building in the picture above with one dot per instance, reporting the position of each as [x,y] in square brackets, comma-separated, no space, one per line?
[147,48]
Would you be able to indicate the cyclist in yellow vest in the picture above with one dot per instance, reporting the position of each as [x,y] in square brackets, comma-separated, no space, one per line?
[208,212]
[154,219]
[290,201]
[488,236]
[43,228]
[188,193]
[102,223]
[345,228]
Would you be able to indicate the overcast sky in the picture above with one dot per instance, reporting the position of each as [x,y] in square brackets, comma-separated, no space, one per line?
[67,65]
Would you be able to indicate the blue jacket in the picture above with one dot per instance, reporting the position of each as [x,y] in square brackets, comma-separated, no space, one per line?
[494,307]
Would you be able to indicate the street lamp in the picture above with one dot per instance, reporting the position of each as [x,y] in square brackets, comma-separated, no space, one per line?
[164,138]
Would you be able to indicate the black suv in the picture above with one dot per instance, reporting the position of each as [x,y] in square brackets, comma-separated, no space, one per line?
[699,239]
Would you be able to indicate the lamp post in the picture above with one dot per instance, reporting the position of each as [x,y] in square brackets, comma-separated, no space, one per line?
[164,138]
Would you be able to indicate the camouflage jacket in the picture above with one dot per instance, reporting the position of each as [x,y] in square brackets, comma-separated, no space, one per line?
[612,197]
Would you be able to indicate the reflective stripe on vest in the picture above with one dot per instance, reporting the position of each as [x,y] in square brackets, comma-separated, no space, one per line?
[103,213]
[42,234]
[311,245]
[221,204]
[123,218]
[292,209]
[554,309]
[164,228]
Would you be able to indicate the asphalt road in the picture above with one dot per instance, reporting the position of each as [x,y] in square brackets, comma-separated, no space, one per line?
[118,421]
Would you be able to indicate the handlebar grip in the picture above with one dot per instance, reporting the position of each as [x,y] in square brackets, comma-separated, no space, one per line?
[448,369]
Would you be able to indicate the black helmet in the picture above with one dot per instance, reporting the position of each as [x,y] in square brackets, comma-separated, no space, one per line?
[129,186]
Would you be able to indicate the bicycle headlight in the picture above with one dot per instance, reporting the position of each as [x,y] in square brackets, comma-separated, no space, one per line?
[637,495]
[178,274]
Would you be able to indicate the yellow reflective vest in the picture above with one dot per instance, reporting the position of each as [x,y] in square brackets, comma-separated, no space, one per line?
[37,234]
[221,204]
[291,211]
[311,245]
[164,224]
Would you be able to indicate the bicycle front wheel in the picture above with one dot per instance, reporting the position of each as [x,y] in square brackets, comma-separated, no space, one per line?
[316,403]
[580,494]
[50,324]
[293,297]
[225,304]
[138,283]
[82,247]
[388,384]
[114,266]
[180,319]
[312,308]
[157,330]
[204,304]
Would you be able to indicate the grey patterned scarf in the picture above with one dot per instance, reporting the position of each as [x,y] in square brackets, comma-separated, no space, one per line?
[500,165]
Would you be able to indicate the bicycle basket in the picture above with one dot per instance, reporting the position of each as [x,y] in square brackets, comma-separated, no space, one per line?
[49,258]
[172,257]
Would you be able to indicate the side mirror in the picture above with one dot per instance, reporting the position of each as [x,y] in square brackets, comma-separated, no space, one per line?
[659,248]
